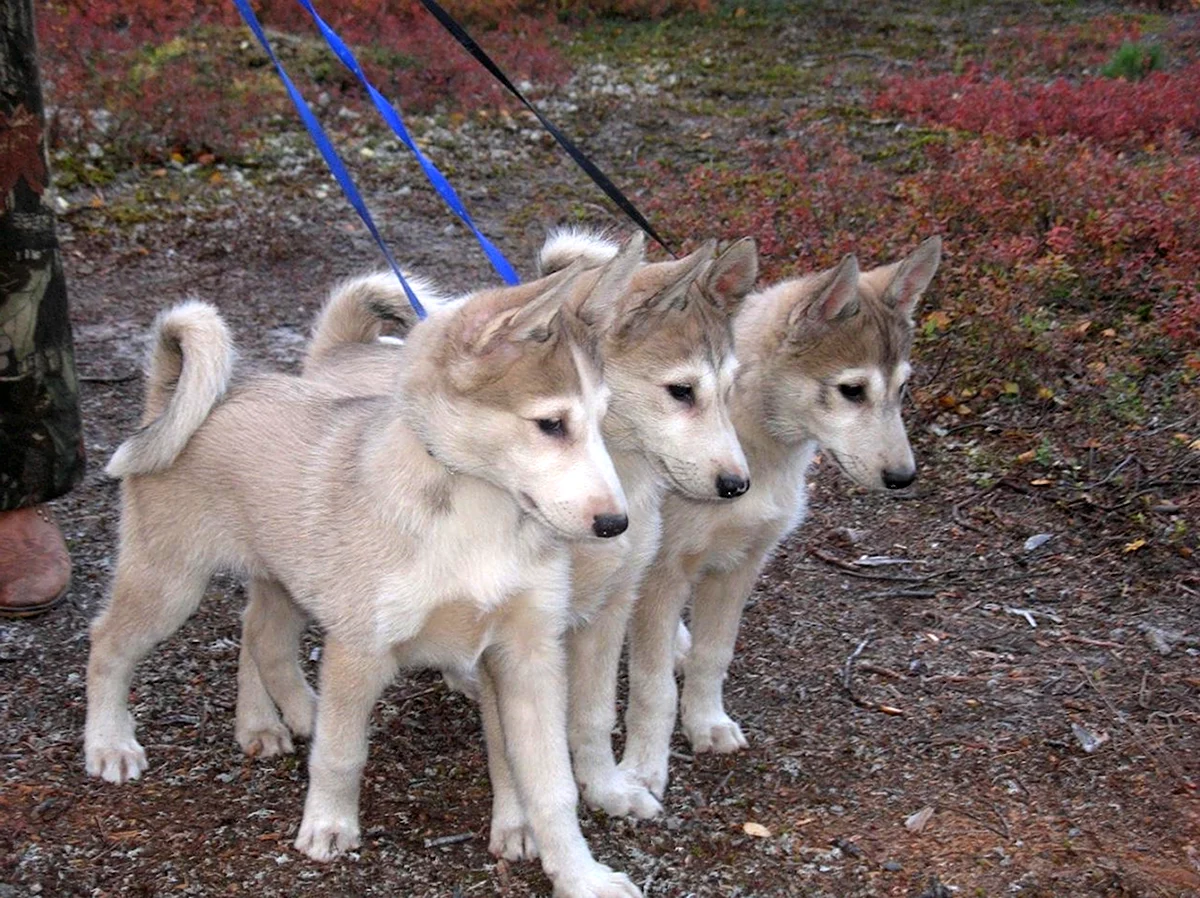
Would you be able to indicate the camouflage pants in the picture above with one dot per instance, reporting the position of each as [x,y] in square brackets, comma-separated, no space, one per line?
[41,439]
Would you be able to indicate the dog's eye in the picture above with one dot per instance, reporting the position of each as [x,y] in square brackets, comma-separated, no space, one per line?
[554,427]
[683,392]
[853,392]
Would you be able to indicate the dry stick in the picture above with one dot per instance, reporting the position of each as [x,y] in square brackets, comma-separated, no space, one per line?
[848,672]
[852,571]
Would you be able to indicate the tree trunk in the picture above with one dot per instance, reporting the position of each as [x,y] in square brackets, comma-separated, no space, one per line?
[41,438]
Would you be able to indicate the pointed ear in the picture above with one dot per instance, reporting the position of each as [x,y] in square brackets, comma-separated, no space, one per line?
[597,304]
[913,276]
[732,275]
[484,328]
[664,285]
[836,297]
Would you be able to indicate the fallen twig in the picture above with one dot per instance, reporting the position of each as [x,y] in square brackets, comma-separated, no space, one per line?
[449,840]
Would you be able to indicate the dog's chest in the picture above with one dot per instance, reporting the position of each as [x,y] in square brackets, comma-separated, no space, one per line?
[719,537]
[602,569]
[467,567]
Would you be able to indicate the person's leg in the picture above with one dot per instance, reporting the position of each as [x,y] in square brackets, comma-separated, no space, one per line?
[41,441]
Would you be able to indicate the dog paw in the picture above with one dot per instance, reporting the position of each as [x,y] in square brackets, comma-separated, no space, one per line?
[651,775]
[620,794]
[116,763]
[721,735]
[513,842]
[323,840]
[265,741]
[598,881]
[300,715]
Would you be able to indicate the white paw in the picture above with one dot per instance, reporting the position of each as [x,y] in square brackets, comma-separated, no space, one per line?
[652,775]
[300,715]
[598,881]
[512,841]
[323,840]
[265,741]
[620,794]
[116,762]
[720,734]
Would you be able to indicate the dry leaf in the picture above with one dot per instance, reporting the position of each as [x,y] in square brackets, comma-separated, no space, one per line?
[757,830]
[915,823]
[1041,481]
[939,320]
[1026,457]
[1135,545]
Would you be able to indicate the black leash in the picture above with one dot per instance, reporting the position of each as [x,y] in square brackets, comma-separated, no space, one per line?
[602,180]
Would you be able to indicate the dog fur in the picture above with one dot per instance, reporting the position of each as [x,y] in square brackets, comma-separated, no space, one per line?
[824,363]
[670,330]
[423,527]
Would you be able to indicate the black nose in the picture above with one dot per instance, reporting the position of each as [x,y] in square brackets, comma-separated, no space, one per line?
[607,525]
[898,480]
[730,486]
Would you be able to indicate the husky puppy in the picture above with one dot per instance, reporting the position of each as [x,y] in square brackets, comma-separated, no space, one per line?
[425,527]
[668,358]
[824,364]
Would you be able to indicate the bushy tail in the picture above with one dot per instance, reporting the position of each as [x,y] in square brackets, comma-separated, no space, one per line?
[566,245]
[189,368]
[357,309]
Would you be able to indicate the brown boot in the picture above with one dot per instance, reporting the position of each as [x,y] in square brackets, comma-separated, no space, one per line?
[35,569]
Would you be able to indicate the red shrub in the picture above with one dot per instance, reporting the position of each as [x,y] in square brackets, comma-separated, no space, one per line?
[147,77]
[1041,242]
[1114,112]
[1060,48]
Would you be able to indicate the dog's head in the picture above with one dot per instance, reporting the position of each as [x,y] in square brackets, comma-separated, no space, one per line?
[668,350]
[508,386]
[836,364]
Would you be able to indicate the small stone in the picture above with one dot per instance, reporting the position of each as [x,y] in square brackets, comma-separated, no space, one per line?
[892,866]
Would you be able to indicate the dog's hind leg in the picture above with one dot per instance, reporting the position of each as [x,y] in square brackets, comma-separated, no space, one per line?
[350,683]
[269,673]
[594,653]
[148,604]
[716,614]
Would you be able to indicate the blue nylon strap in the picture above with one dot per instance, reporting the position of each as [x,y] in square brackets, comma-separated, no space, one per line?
[392,116]
[331,157]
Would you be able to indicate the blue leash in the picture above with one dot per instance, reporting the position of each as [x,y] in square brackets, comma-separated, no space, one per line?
[392,117]
[331,157]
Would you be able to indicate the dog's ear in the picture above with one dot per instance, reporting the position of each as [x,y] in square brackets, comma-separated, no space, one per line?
[528,314]
[597,306]
[834,297]
[732,275]
[902,284]
[662,286]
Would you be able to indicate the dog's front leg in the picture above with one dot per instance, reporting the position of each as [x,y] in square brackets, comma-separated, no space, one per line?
[527,670]
[350,682]
[511,837]
[716,614]
[594,657]
[650,715]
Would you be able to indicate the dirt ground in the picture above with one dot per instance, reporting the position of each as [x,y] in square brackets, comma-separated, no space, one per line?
[963,678]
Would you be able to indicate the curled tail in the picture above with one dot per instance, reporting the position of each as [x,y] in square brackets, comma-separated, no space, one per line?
[190,365]
[567,245]
[357,309]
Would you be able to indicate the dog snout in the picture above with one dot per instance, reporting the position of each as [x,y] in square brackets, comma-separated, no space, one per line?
[607,525]
[898,480]
[730,486]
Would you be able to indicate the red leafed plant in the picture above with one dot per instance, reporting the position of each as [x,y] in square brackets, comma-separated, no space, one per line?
[147,78]
[1111,111]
